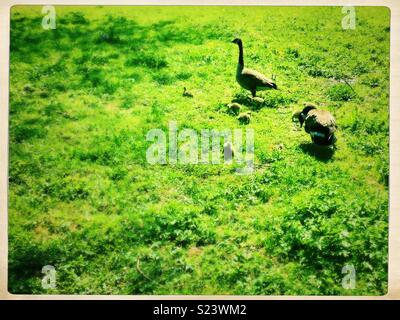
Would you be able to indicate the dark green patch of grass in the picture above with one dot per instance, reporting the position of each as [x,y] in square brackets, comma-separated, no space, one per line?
[149,60]
[340,92]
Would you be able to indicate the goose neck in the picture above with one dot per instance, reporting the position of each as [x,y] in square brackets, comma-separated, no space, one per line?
[241,62]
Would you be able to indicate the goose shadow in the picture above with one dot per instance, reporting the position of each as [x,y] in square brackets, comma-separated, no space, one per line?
[257,103]
[249,102]
[321,153]
[243,100]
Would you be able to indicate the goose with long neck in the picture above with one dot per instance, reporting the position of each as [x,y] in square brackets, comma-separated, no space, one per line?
[240,65]
[249,79]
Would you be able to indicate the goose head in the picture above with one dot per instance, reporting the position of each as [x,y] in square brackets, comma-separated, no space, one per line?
[303,114]
[237,41]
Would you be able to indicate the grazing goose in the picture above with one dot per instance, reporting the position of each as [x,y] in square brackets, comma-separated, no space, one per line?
[244,117]
[320,124]
[258,100]
[234,108]
[250,79]
[187,93]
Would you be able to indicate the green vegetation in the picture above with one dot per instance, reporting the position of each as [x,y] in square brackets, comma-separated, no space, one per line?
[83,198]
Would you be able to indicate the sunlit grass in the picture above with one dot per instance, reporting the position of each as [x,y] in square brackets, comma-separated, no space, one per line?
[83,198]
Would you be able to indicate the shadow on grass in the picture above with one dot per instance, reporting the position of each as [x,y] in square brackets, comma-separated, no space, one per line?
[267,99]
[247,101]
[321,153]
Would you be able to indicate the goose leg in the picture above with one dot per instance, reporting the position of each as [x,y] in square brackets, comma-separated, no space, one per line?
[253,92]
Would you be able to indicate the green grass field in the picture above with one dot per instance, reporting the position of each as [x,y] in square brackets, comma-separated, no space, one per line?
[83,198]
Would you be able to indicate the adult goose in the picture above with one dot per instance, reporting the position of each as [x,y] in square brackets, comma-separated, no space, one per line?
[320,124]
[250,79]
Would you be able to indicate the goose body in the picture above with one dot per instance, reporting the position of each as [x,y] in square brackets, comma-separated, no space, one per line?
[250,79]
[320,124]
[234,108]
[187,93]
[244,117]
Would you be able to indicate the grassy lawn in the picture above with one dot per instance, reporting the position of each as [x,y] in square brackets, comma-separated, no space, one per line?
[83,198]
